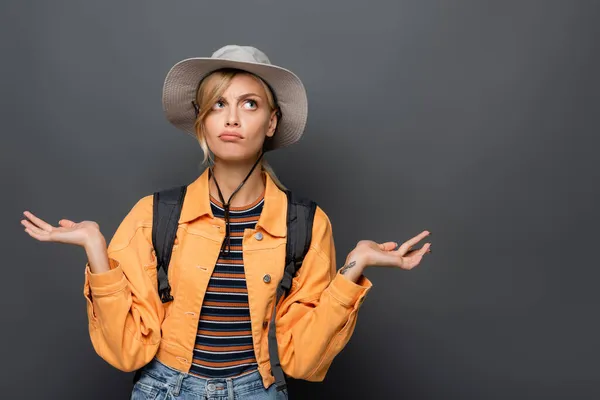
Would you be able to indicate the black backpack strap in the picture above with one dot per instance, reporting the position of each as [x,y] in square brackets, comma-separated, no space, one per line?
[166,211]
[300,216]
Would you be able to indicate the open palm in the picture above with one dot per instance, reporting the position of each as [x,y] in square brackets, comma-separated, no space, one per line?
[69,232]
[389,254]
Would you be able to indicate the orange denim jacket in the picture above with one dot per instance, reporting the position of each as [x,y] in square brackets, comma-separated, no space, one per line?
[129,325]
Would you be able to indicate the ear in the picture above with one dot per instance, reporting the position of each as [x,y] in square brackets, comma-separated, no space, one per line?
[272,123]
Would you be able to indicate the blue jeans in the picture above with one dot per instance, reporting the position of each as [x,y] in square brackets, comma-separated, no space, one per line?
[161,382]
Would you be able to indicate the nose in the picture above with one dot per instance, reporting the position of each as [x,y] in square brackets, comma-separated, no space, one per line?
[232,118]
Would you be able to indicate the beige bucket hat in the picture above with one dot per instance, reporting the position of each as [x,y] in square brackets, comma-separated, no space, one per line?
[182,82]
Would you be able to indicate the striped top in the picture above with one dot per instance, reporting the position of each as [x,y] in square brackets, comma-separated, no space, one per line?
[224,340]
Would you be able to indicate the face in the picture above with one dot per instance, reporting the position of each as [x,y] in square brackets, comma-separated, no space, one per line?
[240,120]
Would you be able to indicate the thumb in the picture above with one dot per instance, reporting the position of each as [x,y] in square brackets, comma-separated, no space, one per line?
[66,223]
[388,246]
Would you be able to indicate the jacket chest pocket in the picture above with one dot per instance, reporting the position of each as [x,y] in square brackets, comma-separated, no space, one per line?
[264,270]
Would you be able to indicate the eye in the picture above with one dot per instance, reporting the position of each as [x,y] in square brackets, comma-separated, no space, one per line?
[251,103]
[219,104]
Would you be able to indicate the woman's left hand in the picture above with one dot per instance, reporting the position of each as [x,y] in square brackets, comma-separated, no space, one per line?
[368,253]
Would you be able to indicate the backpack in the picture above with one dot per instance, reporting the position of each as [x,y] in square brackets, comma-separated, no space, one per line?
[300,215]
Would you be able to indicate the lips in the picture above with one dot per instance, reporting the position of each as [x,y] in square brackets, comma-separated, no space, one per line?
[230,135]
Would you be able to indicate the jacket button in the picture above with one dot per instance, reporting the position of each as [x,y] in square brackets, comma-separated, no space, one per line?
[267,278]
[258,236]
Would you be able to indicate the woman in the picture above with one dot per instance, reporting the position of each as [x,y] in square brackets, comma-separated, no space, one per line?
[229,252]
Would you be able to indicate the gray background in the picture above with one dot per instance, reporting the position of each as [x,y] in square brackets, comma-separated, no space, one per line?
[475,120]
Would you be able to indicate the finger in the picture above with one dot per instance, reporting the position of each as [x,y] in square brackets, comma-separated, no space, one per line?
[39,222]
[414,259]
[422,251]
[32,227]
[425,249]
[411,242]
[44,237]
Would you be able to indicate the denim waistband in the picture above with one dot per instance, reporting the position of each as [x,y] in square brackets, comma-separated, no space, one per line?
[183,381]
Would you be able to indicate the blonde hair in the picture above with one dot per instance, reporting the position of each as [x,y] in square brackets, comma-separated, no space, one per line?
[210,90]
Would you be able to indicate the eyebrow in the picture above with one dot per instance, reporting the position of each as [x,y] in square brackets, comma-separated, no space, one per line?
[244,96]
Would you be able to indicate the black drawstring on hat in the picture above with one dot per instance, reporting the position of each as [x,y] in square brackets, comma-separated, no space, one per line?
[226,205]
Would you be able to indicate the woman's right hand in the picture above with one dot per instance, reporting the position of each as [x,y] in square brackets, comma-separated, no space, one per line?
[78,233]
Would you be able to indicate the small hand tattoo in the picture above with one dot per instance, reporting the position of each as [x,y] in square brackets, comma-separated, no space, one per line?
[347,267]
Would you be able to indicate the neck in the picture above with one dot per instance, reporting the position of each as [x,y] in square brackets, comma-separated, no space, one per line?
[229,176]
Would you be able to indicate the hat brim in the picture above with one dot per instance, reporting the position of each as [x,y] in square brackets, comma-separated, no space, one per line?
[181,85]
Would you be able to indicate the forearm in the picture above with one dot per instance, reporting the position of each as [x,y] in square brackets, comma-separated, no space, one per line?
[312,333]
[97,254]
[124,311]
[353,267]
[124,329]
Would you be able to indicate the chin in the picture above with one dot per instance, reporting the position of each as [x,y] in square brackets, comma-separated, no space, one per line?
[234,155]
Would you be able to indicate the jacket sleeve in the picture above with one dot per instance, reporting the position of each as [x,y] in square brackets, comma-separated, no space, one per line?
[317,318]
[123,307]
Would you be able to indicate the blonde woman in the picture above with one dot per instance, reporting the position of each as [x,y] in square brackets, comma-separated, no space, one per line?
[211,340]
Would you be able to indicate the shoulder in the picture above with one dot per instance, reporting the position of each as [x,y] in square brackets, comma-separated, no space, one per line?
[137,221]
[139,215]
[321,222]
[322,232]
[142,209]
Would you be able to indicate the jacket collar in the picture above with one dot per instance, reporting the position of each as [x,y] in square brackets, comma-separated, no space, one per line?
[272,218]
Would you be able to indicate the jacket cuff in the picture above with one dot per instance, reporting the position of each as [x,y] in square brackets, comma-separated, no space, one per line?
[347,292]
[106,283]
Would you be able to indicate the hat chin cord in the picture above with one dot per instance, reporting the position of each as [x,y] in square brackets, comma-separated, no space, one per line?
[228,203]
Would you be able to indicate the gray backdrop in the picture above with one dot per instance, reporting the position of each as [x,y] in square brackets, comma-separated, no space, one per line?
[475,120]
